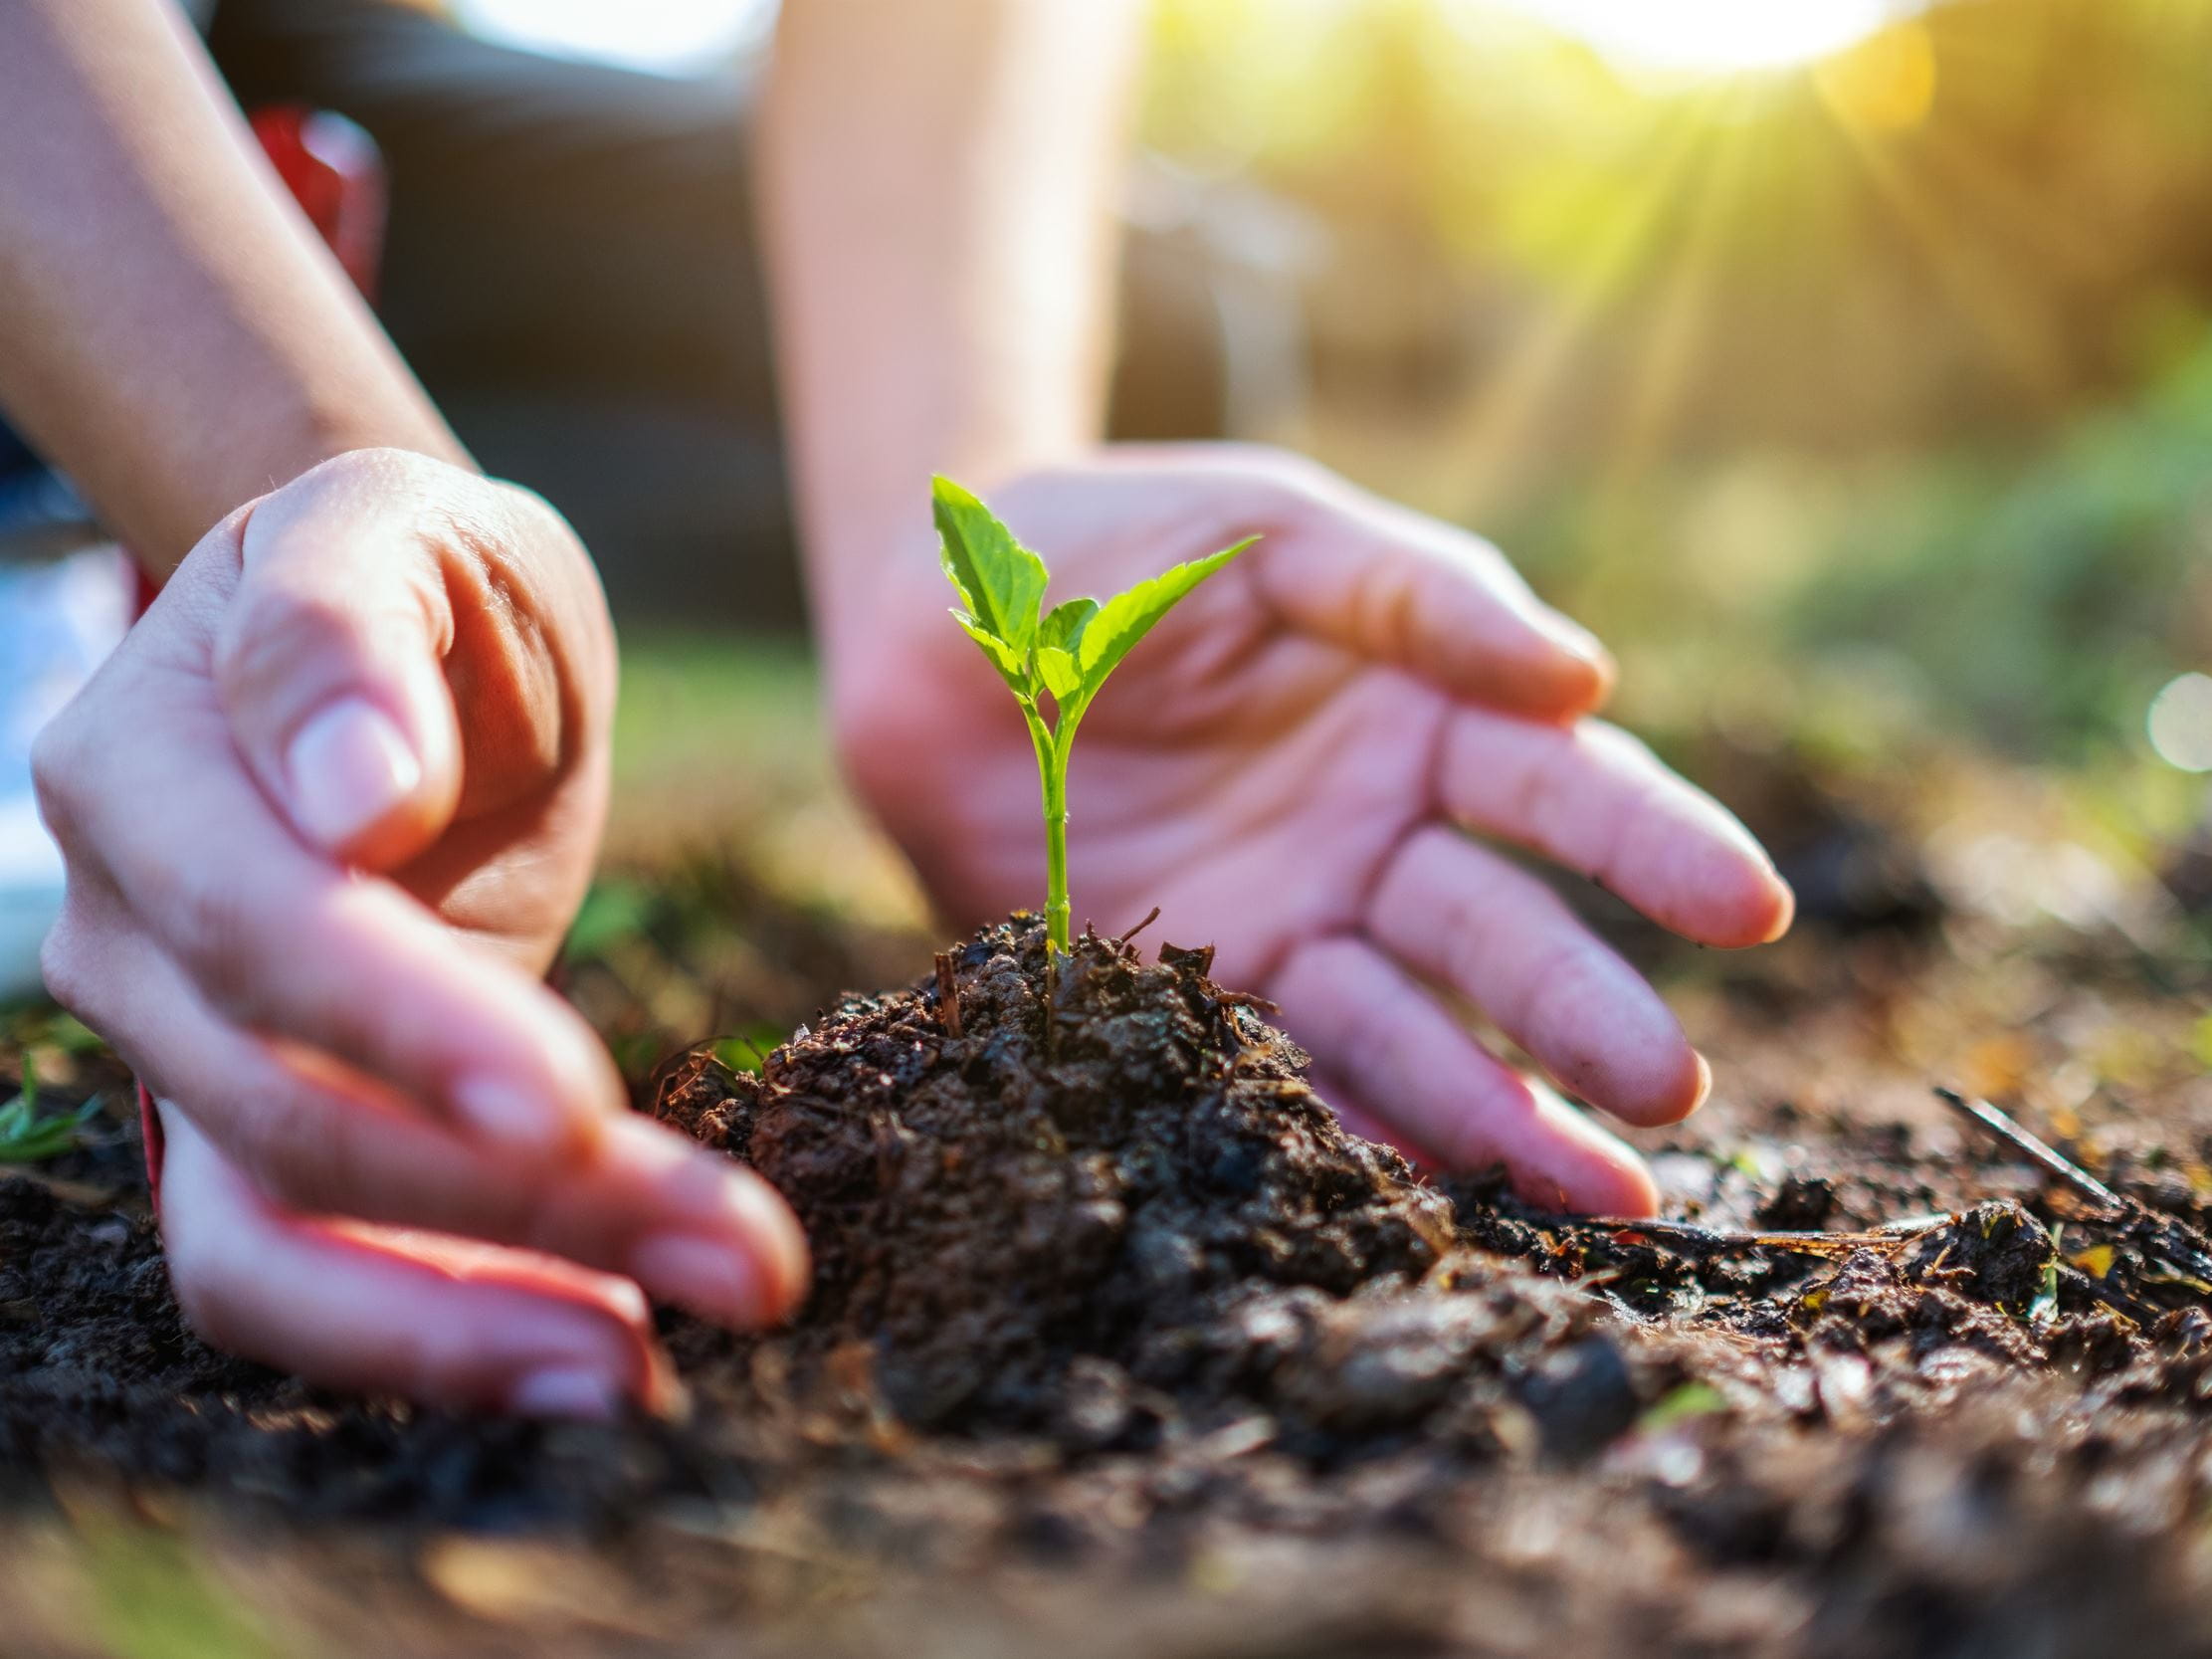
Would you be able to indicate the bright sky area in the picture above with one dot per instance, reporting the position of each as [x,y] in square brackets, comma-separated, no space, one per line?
[1689,36]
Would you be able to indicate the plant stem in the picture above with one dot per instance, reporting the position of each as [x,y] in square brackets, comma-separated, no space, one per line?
[1051,777]
[1055,858]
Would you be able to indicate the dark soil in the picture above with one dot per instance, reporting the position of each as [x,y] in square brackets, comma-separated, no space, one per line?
[1119,1344]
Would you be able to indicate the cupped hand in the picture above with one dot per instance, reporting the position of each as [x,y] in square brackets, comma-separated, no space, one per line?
[326,813]
[1291,767]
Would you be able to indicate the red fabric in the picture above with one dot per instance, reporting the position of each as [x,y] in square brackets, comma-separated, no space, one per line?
[149,1129]
[333,171]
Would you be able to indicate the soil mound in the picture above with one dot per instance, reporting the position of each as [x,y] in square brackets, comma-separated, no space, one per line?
[1103,1201]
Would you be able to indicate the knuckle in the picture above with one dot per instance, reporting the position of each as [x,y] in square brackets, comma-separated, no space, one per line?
[273,628]
[58,759]
[63,966]
[1288,470]
[374,467]
[1387,605]
[1551,985]
[288,1152]
[1403,902]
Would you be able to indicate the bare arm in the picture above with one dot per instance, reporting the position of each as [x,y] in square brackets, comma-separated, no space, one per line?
[171,330]
[938,179]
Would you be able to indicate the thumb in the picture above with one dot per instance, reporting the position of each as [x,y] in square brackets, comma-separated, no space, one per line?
[329,661]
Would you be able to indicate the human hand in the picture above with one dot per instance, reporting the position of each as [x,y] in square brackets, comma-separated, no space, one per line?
[327,813]
[1287,767]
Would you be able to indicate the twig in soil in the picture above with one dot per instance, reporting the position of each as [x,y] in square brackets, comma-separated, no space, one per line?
[1121,940]
[1687,1237]
[2165,1238]
[2053,1162]
[948,995]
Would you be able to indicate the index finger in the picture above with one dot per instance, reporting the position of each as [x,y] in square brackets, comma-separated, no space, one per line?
[1591,797]
[1401,588]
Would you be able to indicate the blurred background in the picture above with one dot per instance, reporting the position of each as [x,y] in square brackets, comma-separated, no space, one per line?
[1844,364]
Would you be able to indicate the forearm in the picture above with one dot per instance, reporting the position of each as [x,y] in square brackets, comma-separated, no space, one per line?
[171,333]
[937,183]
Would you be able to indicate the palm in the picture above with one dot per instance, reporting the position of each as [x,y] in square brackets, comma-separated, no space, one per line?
[1247,780]
[1285,768]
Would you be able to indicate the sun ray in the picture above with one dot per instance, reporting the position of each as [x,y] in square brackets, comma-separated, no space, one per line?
[1491,438]
[1998,303]
[2010,205]
[1716,37]
[1680,314]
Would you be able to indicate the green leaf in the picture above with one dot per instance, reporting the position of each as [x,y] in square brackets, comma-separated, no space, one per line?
[749,1050]
[1057,637]
[26,1137]
[1002,582]
[612,911]
[1680,1403]
[1057,668]
[1003,657]
[1126,618]
[1064,624]
[68,1034]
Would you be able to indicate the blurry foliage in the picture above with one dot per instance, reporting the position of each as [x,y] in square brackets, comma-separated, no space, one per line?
[150,1597]
[1984,214]
[1864,407]
[30,1135]
[2047,604]
[2034,603]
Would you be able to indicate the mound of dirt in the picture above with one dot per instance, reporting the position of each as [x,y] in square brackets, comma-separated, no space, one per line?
[1103,1202]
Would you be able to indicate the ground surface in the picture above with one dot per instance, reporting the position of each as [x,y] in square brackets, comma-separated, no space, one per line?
[1121,1347]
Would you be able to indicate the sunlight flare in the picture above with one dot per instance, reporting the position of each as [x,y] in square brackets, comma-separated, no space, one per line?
[1715,36]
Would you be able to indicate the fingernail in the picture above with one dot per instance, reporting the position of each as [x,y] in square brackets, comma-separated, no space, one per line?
[348,768]
[1575,637]
[1704,1081]
[565,1391]
[664,1394]
[504,1114]
[720,1281]
[1785,911]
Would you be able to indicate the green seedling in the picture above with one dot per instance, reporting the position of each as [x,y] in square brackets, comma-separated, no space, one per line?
[1685,1402]
[28,1138]
[1052,660]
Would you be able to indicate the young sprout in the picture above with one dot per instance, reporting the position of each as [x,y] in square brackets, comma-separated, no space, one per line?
[1062,656]
[28,1137]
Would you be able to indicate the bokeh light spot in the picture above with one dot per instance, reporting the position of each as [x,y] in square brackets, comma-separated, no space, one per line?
[665,35]
[2180,722]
